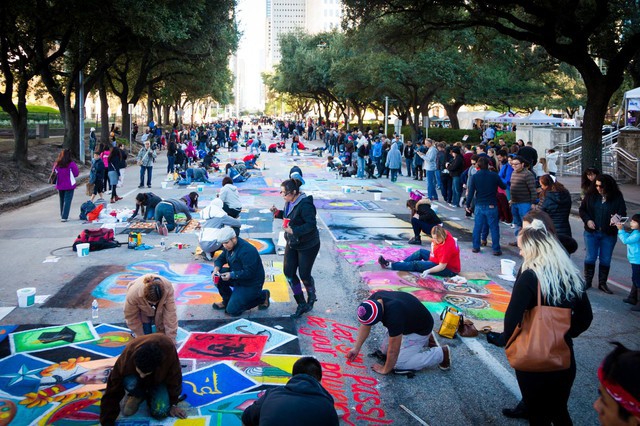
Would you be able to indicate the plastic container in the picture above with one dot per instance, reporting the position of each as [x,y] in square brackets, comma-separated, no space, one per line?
[83,249]
[409,188]
[200,188]
[95,314]
[26,296]
[507,266]
[164,185]
[377,196]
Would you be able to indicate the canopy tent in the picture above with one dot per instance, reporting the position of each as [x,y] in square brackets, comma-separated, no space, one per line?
[631,103]
[537,117]
[507,117]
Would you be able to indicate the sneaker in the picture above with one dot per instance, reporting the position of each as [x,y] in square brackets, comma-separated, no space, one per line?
[497,253]
[475,250]
[148,186]
[446,360]
[139,186]
[383,262]
[63,220]
[266,302]
[132,405]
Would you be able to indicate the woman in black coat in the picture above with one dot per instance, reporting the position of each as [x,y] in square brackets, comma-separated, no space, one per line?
[556,201]
[303,242]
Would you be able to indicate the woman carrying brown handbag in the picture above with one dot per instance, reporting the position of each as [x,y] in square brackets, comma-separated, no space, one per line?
[547,265]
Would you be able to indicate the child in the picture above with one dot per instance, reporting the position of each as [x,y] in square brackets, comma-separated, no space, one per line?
[632,240]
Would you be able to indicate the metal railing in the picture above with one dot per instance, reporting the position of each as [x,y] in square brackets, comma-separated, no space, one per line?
[571,155]
[627,166]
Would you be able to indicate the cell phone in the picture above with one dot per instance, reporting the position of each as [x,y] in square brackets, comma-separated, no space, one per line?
[623,219]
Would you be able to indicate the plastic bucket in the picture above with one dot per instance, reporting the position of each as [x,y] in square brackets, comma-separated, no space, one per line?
[164,185]
[200,188]
[26,297]
[346,189]
[409,189]
[83,249]
[377,196]
[507,266]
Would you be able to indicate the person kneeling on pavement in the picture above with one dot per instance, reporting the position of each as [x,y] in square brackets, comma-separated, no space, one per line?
[150,303]
[216,219]
[301,400]
[244,273]
[409,325]
[148,369]
[423,219]
[443,259]
[167,209]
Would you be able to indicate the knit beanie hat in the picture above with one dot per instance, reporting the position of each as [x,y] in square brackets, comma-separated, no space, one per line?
[369,312]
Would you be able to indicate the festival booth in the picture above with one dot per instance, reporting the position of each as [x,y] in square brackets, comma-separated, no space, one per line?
[537,128]
[631,105]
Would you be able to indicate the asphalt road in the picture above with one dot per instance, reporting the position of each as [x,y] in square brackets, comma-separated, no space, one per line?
[479,384]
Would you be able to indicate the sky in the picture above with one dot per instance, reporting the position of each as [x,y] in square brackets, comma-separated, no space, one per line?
[251,15]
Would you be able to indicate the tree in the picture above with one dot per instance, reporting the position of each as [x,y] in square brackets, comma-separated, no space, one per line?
[583,34]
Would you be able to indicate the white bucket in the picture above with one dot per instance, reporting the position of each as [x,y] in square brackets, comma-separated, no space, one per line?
[26,297]
[346,189]
[507,266]
[164,185]
[377,196]
[409,189]
[200,188]
[83,249]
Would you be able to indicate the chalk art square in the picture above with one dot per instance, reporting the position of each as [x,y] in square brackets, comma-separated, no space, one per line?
[228,411]
[360,254]
[82,409]
[337,204]
[5,330]
[111,342]
[214,382]
[20,374]
[355,226]
[52,337]
[272,369]
[275,338]
[11,410]
[182,335]
[220,347]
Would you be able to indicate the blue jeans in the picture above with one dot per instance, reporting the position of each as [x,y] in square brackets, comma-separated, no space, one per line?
[419,261]
[157,396]
[394,175]
[149,171]
[519,210]
[486,216]
[420,226]
[409,163]
[66,196]
[379,167]
[166,211]
[432,194]
[599,245]
[294,147]
[171,163]
[456,188]
[360,167]
[438,179]
[241,298]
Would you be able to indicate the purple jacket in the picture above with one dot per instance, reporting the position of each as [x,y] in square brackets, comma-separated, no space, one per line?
[64,176]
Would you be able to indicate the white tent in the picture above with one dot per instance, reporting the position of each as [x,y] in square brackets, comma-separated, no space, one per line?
[507,117]
[631,102]
[537,117]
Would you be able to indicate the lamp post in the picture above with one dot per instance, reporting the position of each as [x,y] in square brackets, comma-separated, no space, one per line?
[130,110]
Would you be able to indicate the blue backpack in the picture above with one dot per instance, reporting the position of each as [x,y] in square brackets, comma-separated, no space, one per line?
[86,208]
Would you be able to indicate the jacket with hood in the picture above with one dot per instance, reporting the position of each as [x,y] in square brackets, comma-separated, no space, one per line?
[216,219]
[394,158]
[302,220]
[138,310]
[229,196]
[558,205]
[302,400]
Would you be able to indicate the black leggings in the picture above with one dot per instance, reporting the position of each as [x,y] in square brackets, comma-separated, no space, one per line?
[546,395]
[300,262]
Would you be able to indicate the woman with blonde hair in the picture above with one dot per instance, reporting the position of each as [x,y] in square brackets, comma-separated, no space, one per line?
[546,264]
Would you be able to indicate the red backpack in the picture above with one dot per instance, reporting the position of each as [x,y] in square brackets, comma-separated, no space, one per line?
[98,239]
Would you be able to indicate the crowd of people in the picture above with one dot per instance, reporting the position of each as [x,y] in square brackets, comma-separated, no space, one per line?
[492,182]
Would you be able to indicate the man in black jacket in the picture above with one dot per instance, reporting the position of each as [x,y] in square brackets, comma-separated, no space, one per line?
[302,400]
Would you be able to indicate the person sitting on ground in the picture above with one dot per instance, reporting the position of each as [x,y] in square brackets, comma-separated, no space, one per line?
[443,259]
[618,400]
[216,219]
[250,160]
[150,302]
[237,172]
[245,274]
[211,161]
[274,147]
[166,210]
[423,219]
[146,203]
[230,198]
[303,397]
[191,200]
[148,369]
[409,326]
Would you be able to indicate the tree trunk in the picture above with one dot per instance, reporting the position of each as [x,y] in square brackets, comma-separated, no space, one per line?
[452,112]
[165,114]
[124,110]
[149,104]
[20,134]
[104,113]
[70,120]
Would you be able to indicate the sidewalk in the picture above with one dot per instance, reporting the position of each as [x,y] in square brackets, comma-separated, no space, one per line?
[630,192]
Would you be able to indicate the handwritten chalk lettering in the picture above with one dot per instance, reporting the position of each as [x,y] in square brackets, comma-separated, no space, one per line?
[319,341]
[317,322]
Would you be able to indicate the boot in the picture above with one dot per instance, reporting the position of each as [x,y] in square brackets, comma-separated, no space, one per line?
[636,308]
[311,297]
[603,274]
[632,299]
[589,272]
[302,306]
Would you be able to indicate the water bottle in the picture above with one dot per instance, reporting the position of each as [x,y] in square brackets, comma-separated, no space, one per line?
[94,309]
[163,244]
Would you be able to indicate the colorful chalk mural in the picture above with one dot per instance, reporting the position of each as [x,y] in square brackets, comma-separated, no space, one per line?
[214,382]
[354,226]
[228,411]
[52,337]
[478,299]
[220,347]
[275,338]
[360,254]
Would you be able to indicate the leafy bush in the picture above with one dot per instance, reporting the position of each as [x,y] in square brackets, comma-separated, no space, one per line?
[33,109]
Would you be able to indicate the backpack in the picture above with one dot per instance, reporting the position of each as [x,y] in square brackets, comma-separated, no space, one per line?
[98,239]
[86,208]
